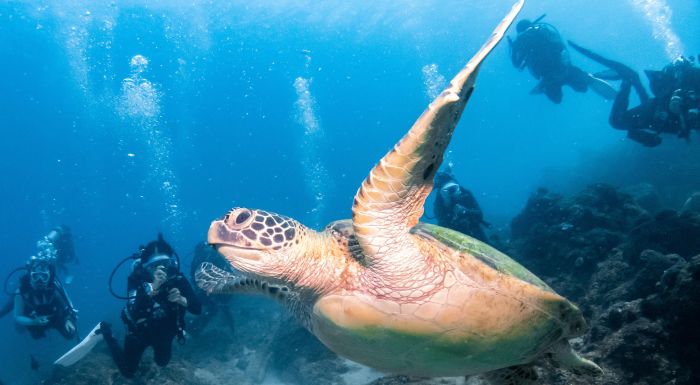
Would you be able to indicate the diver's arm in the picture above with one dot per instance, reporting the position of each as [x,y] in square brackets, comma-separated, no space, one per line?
[518,53]
[193,304]
[517,56]
[20,318]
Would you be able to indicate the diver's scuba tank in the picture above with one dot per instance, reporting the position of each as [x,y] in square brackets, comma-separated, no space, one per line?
[62,240]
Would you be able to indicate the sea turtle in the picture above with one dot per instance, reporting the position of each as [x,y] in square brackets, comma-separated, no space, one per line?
[397,295]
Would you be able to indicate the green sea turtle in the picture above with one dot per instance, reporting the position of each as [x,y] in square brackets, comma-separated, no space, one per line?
[397,295]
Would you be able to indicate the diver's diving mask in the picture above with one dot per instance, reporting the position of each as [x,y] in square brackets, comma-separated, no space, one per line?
[159,260]
[40,275]
[449,189]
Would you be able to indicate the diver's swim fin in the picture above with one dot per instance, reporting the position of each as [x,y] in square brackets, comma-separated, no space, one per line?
[608,75]
[601,87]
[82,349]
[623,72]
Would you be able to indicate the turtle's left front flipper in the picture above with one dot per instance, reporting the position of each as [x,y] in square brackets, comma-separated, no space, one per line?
[390,201]
[212,279]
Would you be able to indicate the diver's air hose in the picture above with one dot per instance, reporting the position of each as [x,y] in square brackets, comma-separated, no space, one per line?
[10,276]
[114,271]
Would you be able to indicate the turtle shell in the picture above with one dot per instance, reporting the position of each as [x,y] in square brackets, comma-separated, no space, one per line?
[490,312]
[490,256]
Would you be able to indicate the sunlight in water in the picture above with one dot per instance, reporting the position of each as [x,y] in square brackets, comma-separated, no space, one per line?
[139,103]
[139,99]
[658,13]
[316,175]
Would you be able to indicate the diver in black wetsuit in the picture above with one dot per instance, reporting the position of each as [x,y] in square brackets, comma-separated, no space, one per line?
[672,109]
[456,208]
[55,247]
[159,296]
[41,302]
[540,48]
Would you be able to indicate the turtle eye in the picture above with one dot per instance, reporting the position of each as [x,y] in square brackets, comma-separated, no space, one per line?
[239,217]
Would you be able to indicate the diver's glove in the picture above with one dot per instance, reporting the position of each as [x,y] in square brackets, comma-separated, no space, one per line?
[69,326]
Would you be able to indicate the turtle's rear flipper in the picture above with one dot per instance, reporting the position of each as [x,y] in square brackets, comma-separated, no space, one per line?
[564,356]
[514,375]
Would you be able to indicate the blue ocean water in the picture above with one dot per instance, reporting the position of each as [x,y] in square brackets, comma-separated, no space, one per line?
[123,119]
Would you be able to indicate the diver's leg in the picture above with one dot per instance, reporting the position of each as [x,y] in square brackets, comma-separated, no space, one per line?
[134,346]
[577,79]
[127,360]
[112,344]
[619,118]
[635,121]
[162,349]
[645,137]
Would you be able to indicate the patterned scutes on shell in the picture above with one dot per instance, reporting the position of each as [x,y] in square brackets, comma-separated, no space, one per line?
[480,250]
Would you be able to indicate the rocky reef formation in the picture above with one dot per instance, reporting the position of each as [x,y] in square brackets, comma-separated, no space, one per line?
[635,274]
[632,267]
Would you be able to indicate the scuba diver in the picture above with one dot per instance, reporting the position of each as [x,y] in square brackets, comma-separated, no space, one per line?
[673,108]
[158,296]
[539,47]
[456,208]
[57,248]
[42,303]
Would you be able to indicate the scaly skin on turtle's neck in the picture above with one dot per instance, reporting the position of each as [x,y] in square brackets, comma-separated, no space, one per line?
[323,262]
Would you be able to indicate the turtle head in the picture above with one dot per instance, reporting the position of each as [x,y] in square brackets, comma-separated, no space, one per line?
[256,241]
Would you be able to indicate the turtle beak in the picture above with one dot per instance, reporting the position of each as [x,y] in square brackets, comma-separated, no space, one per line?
[219,233]
[230,243]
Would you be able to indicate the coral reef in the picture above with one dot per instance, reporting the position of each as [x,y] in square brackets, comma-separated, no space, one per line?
[634,274]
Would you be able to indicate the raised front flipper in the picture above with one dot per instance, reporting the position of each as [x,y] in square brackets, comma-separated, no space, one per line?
[390,200]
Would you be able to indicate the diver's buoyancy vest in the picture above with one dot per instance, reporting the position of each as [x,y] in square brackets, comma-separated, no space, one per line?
[43,302]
